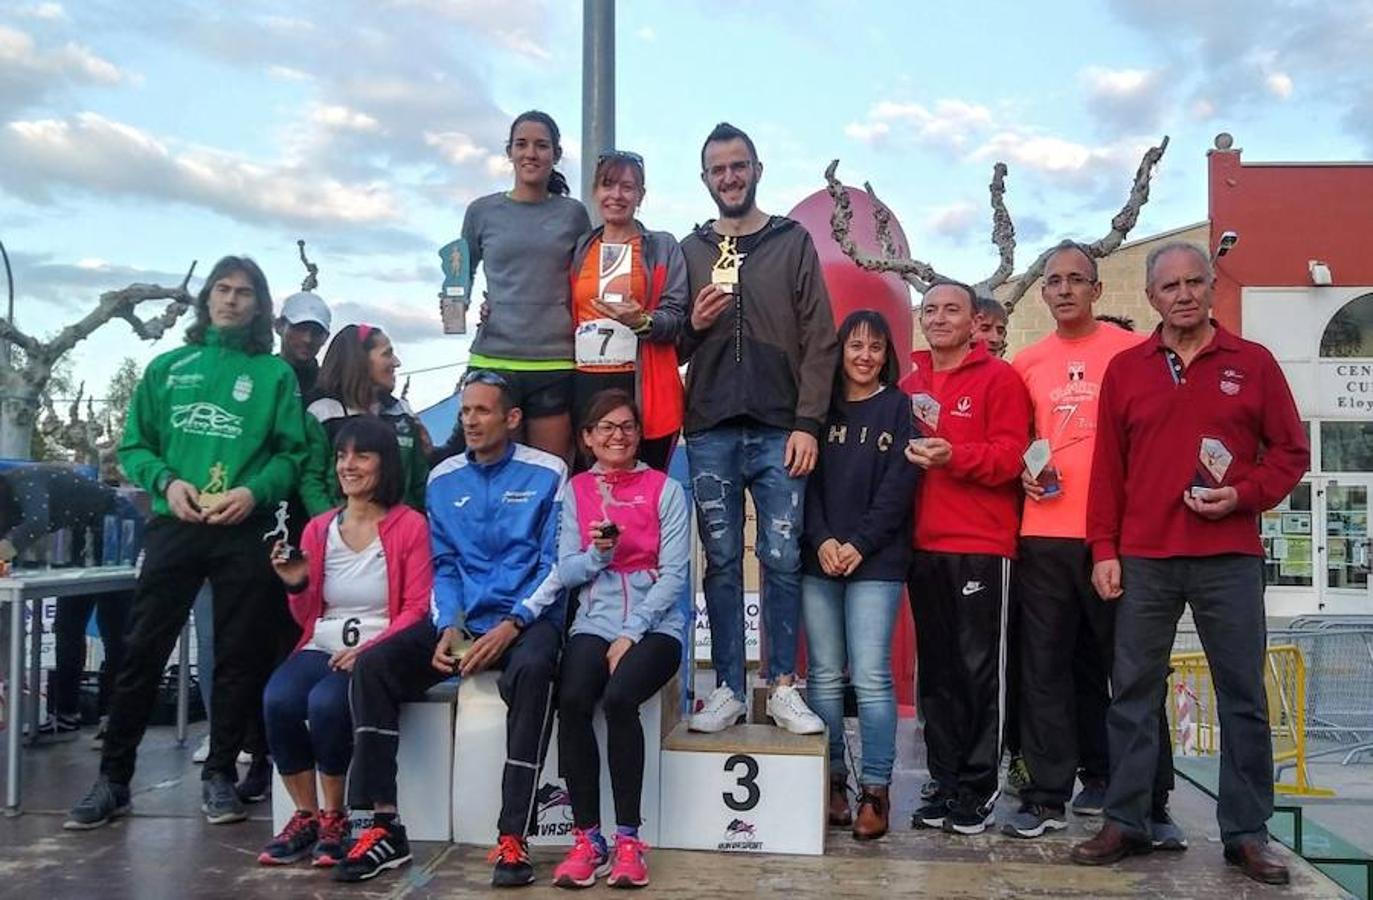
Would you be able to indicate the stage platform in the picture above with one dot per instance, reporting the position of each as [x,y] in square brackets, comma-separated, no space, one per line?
[166,850]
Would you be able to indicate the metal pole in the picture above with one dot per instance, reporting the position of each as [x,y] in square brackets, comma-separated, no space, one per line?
[598,91]
[183,694]
[13,702]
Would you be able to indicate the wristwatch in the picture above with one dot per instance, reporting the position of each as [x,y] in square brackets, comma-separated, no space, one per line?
[163,480]
[514,620]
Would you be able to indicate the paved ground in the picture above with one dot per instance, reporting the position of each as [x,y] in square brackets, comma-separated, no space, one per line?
[167,850]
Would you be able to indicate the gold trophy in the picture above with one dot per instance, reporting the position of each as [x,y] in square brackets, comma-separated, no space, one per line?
[725,272]
[213,493]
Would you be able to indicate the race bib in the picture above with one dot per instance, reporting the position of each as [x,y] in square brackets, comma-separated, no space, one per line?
[348,632]
[606,342]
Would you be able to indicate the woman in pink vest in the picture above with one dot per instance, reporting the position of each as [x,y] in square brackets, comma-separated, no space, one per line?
[365,574]
[624,543]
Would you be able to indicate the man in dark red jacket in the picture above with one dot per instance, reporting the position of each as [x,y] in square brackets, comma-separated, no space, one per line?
[973,413]
[1197,434]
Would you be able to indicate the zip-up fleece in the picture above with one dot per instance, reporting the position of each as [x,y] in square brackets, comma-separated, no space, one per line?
[494,532]
[638,588]
[770,356]
[404,537]
[972,505]
[657,383]
[211,406]
[320,477]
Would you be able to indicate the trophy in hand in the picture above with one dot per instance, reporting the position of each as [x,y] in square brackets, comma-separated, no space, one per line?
[457,286]
[282,550]
[1037,464]
[1213,461]
[215,490]
[725,272]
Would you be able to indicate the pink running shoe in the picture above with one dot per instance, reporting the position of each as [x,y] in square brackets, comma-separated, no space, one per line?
[630,870]
[584,863]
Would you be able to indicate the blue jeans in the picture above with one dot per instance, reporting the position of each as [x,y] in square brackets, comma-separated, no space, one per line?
[309,724]
[850,623]
[724,461]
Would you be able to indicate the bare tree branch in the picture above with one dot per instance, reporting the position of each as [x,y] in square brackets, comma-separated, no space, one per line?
[919,274]
[120,304]
[311,270]
[14,335]
[1003,233]
[1121,225]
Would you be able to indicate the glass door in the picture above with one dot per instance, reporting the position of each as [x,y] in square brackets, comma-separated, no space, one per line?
[1345,542]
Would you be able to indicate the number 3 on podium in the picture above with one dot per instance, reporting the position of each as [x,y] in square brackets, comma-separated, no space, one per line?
[748,781]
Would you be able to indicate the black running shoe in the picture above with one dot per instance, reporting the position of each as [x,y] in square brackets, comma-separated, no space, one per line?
[377,849]
[257,784]
[970,816]
[511,856]
[931,813]
[219,801]
[105,801]
[295,841]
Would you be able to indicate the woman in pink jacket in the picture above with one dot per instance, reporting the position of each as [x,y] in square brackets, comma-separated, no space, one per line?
[364,574]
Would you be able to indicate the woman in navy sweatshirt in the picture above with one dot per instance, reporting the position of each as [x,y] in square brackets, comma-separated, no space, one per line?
[856,552]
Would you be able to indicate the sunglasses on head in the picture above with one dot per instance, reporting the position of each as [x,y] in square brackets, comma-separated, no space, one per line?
[485,376]
[628,155]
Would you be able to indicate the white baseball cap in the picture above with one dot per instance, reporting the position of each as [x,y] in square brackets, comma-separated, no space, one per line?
[306,307]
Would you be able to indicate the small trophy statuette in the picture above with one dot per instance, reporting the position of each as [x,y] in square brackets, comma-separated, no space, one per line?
[281,532]
[725,272]
[214,491]
[457,286]
[924,414]
[1213,461]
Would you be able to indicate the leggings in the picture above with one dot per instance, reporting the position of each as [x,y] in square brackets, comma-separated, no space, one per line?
[586,679]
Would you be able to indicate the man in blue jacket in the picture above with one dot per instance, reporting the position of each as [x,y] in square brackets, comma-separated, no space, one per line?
[493,521]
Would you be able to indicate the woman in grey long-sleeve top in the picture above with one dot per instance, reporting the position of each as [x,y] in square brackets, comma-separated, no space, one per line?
[523,239]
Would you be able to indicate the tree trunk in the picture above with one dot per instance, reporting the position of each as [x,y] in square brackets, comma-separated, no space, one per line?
[17,412]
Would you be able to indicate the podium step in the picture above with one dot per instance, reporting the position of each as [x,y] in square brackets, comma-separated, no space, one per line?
[757,739]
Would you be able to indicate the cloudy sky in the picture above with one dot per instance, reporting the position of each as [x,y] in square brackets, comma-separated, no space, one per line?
[135,138]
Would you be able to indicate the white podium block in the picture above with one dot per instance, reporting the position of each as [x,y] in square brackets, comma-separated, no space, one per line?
[750,788]
[424,760]
[479,764]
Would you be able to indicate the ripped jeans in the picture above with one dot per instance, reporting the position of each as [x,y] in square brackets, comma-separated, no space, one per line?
[725,460]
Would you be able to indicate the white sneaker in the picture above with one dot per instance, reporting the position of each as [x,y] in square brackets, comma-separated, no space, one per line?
[201,752]
[722,710]
[789,711]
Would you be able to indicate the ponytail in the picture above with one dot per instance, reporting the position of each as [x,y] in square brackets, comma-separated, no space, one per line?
[557,184]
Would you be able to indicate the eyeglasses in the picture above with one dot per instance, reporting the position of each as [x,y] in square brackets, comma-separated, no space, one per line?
[485,376]
[629,155]
[1073,281]
[607,429]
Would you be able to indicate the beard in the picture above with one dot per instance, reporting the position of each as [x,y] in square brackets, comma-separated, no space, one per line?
[738,210]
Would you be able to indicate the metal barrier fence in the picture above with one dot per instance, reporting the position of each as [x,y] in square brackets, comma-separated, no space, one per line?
[1194,718]
[1337,654]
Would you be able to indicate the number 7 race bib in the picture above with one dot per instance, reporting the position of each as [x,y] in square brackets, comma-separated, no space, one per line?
[605,342]
[335,634]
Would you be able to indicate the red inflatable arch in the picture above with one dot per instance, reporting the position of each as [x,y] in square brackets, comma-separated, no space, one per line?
[852,288]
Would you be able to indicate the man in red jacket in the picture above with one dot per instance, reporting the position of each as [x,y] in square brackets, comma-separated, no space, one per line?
[1204,425]
[973,413]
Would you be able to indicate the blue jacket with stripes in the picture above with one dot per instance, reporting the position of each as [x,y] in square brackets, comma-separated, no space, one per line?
[494,532]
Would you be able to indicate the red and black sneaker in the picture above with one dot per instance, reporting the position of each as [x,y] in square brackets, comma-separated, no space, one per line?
[333,828]
[511,856]
[295,841]
[377,849]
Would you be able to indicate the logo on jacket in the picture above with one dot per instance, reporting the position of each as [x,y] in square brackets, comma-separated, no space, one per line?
[1229,388]
[462,501]
[243,388]
[740,834]
[972,587]
[1077,371]
[964,407]
[184,381]
[206,419]
[517,496]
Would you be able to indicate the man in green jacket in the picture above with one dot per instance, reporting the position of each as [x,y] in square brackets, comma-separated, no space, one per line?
[216,435]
